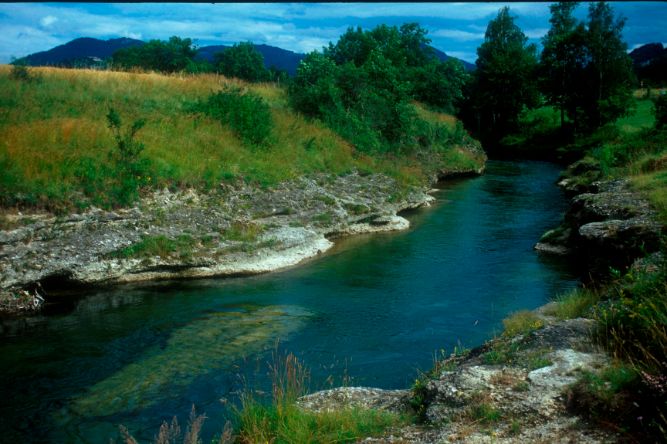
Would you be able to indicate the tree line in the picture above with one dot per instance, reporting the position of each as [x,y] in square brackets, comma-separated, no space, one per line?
[363,85]
[583,71]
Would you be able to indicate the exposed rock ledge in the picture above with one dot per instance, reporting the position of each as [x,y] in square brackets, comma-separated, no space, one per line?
[611,225]
[530,404]
[235,230]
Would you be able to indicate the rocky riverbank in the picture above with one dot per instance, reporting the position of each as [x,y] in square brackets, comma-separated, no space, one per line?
[469,398]
[607,225]
[234,230]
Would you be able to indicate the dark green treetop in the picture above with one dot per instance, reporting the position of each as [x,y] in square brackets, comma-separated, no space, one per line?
[503,83]
[242,61]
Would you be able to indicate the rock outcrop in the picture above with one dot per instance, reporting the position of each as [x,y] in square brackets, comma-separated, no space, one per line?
[609,227]
[235,230]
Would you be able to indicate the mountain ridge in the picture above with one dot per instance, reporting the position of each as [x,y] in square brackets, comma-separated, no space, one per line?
[92,49]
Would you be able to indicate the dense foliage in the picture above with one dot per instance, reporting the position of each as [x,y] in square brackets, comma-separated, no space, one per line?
[173,55]
[504,81]
[246,113]
[583,71]
[363,86]
[242,61]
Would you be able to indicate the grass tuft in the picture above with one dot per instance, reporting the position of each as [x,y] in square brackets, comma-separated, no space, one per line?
[521,322]
[575,304]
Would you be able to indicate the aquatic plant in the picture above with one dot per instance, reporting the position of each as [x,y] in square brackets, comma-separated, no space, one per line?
[190,352]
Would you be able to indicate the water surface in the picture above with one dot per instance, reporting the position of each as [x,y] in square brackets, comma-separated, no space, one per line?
[373,311]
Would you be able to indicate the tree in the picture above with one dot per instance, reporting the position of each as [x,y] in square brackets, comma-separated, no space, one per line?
[562,60]
[439,84]
[314,87]
[503,83]
[174,55]
[242,61]
[609,77]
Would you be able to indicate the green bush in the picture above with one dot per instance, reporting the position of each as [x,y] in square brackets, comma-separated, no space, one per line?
[660,106]
[21,73]
[129,170]
[247,114]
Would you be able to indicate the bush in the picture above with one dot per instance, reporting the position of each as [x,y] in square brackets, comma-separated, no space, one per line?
[660,104]
[247,114]
[130,172]
[21,73]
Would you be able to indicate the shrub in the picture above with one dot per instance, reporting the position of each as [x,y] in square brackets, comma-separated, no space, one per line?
[247,114]
[660,106]
[21,73]
[130,172]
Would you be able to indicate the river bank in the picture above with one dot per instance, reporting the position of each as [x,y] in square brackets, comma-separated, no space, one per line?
[234,230]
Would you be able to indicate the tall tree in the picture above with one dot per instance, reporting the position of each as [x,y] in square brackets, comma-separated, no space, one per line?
[242,61]
[563,59]
[504,79]
[609,76]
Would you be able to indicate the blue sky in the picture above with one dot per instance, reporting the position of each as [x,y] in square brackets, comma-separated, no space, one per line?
[456,28]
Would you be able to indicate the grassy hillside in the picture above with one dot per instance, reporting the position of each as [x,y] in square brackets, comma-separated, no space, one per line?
[55,143]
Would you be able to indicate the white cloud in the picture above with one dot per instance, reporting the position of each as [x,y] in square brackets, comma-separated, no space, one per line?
[48,21]
[536,33]
[456,34]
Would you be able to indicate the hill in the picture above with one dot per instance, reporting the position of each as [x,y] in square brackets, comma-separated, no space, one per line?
[57,139]
[650,63]
[273,56]
[442,56]
[79,49]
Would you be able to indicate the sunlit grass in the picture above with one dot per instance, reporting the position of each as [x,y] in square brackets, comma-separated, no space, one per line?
[52,129]
[640,118]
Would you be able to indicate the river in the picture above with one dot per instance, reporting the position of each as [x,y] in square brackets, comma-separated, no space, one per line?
[371,312]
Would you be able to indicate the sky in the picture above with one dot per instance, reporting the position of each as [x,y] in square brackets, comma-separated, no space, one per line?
[455,28]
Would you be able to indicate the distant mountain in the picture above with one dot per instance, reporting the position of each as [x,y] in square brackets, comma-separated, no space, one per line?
[273,57]
[442,57]
[643,55]
[79,49]
[94,50]
[650,63]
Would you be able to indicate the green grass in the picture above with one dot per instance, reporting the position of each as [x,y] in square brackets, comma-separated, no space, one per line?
[521,322]
[654,186]
[632,326]
[484,413]
[55,146]
[161,246]
[575,304]
[242,232]
[289,424]
[641,117]
[282,421]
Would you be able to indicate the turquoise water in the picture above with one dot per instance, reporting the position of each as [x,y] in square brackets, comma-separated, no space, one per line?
[373,312]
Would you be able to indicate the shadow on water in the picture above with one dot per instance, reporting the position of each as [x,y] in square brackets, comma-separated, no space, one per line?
[373,310]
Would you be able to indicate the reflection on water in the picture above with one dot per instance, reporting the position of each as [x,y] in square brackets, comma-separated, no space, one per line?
[375,308]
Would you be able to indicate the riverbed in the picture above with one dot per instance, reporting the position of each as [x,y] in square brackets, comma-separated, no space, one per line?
[372,311]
